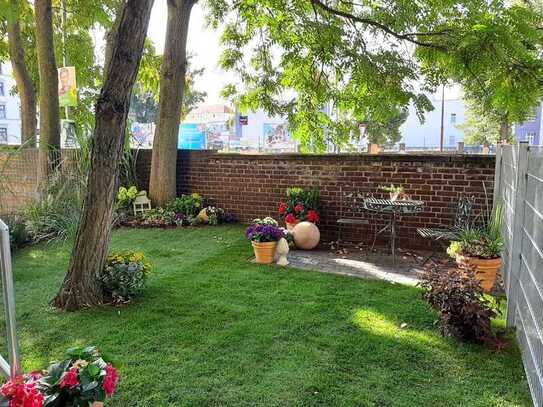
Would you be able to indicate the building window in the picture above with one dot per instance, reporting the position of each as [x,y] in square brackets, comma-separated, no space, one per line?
[530,137]
[2,89]
[453,118]
[452,140]
[3,135]
[2,111]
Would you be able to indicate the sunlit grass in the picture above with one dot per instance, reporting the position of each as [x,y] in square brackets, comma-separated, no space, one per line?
[214,329]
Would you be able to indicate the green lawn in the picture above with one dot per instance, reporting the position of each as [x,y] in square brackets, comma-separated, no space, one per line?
[213,329]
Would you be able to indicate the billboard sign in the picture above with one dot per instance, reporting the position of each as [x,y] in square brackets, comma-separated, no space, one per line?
[67,86]
[192,136]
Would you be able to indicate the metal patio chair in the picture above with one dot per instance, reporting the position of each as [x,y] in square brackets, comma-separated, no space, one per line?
[442,235]
[350,210]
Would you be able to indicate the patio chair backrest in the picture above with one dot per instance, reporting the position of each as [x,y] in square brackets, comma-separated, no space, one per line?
[350,203]
[464,208]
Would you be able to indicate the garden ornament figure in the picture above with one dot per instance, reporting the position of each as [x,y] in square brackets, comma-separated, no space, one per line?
[281,251]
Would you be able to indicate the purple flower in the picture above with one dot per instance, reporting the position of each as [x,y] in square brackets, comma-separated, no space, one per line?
[264,233]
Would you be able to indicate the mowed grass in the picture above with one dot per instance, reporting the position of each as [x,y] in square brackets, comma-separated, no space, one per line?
[212,329]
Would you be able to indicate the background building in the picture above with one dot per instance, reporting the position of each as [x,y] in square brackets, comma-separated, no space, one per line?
[531,129]
[10,111]
[427,135]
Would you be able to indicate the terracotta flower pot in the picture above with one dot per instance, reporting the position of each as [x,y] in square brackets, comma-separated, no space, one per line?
[264,252]
[485,270]
[291,226]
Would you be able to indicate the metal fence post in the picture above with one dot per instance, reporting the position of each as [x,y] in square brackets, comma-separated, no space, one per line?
[518,223]
[8,290]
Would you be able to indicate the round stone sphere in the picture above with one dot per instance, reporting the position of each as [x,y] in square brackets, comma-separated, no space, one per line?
[306,235]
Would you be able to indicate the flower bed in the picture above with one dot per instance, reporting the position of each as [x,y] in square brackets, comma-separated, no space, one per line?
[186,210]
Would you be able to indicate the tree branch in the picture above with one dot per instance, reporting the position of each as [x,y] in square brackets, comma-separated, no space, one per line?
[410,37]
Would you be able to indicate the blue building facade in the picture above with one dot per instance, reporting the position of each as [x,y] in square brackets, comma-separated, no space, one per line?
[530,130]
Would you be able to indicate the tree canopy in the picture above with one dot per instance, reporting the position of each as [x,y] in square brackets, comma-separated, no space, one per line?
[370,58]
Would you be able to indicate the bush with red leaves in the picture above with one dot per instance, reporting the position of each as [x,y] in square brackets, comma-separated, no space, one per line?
[463,309]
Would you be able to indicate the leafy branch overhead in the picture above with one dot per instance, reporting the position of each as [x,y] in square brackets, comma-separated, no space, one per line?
[369,59]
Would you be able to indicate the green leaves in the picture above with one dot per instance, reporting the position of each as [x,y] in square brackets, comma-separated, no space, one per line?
[360,62]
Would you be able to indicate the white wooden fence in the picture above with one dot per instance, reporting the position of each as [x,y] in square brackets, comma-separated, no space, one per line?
[519,185]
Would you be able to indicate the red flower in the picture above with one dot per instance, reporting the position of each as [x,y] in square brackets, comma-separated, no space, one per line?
[313,216]
[111,380]
[299,208]
[70,379]
[290,218]
[22,392]
[282,208]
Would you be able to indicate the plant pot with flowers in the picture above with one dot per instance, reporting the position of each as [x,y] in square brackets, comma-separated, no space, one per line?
[479,248]
[396,193]
[264,235]
[85,378]
[300,205]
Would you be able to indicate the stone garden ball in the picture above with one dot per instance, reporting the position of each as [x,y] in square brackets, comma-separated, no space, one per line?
[306,235]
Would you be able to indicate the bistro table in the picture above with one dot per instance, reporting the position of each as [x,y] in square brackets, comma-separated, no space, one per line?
[393,209]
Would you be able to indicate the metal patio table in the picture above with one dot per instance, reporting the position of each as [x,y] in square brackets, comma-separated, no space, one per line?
[393,209]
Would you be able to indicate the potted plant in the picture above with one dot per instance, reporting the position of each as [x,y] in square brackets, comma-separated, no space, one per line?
[85,378]
[479,248]
[264,235]
[395,192]
[300,205]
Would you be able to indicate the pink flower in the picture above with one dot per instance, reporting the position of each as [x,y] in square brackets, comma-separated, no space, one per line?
[290,218]
[313,216]
[70,379]
[111,380]
[299,208]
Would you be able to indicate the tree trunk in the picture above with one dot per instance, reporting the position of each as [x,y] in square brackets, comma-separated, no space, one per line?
[111,37]
[81,288]
[25,87]
[162,184]
[49,109]
[505,130]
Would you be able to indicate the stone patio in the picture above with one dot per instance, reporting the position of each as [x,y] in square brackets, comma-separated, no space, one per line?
[360,263]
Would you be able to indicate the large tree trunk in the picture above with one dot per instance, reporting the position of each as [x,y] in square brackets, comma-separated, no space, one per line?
[505,130]
[49,109]
[162,184]
[27,93]
[81,288]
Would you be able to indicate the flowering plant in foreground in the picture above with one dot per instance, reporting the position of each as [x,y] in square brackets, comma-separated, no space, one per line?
[85,377]
[300,205]
[23,391]
[264,230]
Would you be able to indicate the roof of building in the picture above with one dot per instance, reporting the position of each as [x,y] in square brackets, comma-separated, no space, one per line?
[212,109]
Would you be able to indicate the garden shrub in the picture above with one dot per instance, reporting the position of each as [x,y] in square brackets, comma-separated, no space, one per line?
[124,275]
[56,214]
[188,205]
[18,235]
[126,196]
[458,297]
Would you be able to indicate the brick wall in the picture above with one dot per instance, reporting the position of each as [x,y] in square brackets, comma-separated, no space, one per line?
[252,185]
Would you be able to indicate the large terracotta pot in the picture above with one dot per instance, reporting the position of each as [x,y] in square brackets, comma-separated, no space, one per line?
[291,226]
[264,252]
[485,270]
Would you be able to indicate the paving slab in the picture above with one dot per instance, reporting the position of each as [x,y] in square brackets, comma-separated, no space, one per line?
[378,266]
